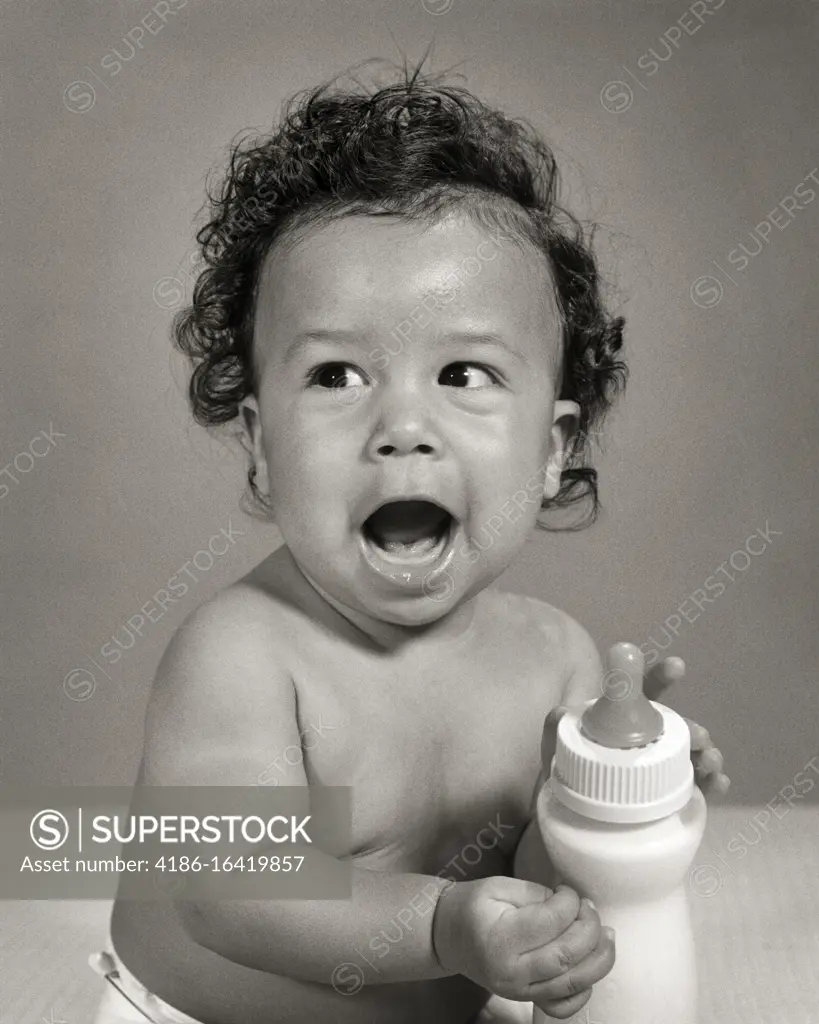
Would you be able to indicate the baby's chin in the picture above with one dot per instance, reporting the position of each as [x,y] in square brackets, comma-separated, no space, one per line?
[369,605]
[392,606]
[423,621]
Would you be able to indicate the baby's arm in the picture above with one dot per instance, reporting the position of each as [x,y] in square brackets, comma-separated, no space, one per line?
[220,707]
[584,675]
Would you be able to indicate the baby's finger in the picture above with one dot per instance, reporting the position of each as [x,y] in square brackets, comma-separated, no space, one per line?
[580,978]
[534,926]
[722,784]
[667,671]
[700,737]
[710,761]
[661,676]
[564,1008]
[711,782]
[572,947]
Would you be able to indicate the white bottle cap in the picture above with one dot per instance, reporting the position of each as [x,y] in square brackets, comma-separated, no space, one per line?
[642,771]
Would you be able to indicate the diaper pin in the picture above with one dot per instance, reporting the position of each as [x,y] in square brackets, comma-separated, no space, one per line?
[103,964]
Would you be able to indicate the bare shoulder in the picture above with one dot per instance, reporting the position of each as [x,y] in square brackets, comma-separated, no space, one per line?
[223,694]
[245,631]
[574,650]
[584,669]
[227,632]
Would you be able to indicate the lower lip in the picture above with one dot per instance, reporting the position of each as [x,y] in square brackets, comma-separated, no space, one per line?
[415,574]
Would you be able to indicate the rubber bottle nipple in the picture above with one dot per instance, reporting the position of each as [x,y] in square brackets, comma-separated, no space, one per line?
[623,717]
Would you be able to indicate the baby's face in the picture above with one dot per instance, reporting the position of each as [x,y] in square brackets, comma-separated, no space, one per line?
[406,426]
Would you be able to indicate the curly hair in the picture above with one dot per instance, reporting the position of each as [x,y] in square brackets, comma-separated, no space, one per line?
[414,149]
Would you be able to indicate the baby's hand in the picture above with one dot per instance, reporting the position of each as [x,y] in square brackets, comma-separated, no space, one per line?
[521,941]
[707,758]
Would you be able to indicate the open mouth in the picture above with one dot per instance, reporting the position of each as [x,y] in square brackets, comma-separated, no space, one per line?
[409,532]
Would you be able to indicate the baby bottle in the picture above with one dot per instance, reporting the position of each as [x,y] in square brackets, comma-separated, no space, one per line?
[621,820]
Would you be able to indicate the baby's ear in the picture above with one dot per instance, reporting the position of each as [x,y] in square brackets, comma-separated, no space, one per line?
[249,430]
[250,438]
[565,419]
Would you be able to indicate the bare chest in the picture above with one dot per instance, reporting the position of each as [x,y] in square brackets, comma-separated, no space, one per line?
[441,754]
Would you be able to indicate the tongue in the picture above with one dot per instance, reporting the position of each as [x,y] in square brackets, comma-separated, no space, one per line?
[406,522]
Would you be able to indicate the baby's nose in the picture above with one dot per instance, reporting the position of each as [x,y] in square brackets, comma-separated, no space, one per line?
[404,445]
[404,429]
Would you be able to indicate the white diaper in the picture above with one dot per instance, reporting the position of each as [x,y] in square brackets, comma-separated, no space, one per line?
[114,1008]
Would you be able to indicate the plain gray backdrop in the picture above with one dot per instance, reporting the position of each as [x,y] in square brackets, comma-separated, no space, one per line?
[679,160]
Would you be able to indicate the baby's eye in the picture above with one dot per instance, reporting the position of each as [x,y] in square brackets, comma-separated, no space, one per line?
[467,375]
[336,375]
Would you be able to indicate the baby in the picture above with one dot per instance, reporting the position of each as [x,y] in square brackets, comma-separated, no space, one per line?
[410,334]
